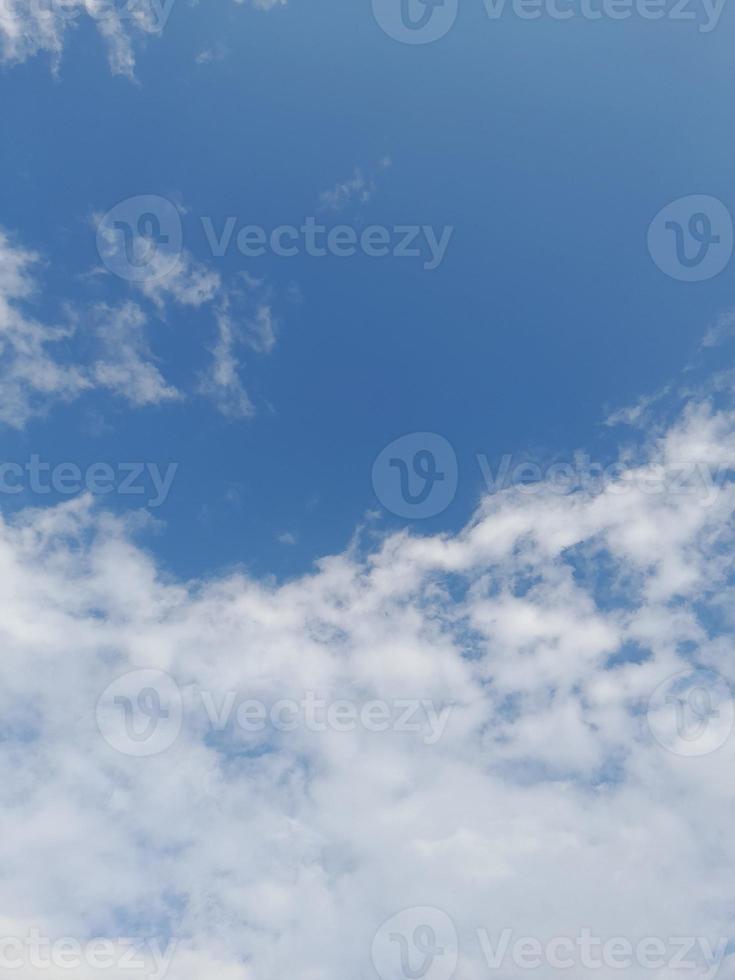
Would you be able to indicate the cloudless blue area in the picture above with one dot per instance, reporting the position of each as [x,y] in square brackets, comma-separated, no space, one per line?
[549,146]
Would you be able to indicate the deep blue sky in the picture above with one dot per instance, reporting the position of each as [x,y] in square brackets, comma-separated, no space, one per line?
[549,146]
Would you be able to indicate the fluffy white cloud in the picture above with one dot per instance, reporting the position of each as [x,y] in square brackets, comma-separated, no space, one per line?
[545,805]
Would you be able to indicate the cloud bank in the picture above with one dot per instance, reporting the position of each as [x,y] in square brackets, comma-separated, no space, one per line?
[545,805]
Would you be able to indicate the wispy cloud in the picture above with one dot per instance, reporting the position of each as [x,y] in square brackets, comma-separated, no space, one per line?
[126,365]
[30,28]
[43,364]
[35,368]
[721,331]
[359,188]
[245,319]
[208,56]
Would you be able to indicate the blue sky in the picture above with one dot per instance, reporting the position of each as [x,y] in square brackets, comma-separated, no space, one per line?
[548,146]
[415,646]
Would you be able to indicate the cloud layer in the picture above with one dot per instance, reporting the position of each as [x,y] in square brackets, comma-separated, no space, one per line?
[545,806]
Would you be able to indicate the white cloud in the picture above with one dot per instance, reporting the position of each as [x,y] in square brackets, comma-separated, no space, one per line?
[38,364]
[359,187]
[189,283]
[546,806]
[29,27]
[126,364]
[638,413]
[722,330]
[207,56]
[26,29]
[41,365]
[31,377]
[32,27]
[263,4]
[245,318]
[221,382]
